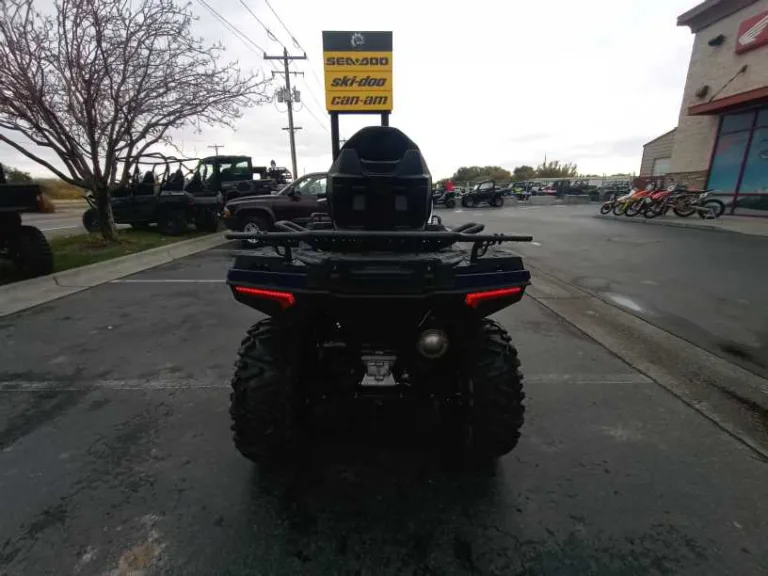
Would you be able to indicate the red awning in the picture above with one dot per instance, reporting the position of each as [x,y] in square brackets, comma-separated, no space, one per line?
[730,103]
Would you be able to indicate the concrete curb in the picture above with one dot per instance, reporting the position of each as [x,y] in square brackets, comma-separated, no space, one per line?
[35,291]
[672,223]
[693,377]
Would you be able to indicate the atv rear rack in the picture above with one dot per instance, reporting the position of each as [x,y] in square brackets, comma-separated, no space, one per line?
[289,234]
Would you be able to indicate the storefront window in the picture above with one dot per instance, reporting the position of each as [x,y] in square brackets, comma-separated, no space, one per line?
[740,162]
[729,157]
[756,171]
[737,122]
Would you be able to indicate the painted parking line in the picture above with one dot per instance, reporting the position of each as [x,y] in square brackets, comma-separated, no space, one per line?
[166,281]
[175,383]
[58,228]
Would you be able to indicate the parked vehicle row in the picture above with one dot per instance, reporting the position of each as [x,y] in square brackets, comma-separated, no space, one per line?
[174,200]
[652,203]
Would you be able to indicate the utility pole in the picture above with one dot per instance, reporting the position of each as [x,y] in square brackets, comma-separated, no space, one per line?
[289,99]
[216,147]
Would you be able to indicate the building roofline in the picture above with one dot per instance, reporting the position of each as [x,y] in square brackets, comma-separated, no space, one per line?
[660,137]
[710,12]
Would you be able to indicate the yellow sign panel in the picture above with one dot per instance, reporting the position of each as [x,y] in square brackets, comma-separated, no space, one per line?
[358,71]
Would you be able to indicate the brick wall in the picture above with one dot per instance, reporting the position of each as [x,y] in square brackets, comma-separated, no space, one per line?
[715,66]
[659,148]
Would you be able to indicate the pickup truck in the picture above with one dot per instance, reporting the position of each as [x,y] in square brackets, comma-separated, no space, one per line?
[25,246]
[297,201]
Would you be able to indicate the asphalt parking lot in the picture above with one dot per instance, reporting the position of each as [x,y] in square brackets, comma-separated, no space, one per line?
[117,459]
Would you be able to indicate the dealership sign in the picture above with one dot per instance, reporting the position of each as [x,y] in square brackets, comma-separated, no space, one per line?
[753,33]
[358,71]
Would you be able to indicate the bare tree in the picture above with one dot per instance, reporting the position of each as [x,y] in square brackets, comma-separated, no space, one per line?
[101,80]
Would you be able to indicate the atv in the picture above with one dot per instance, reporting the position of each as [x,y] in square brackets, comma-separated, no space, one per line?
[444,197]
[377,299]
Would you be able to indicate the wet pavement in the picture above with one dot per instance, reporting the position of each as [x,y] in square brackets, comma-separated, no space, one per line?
[117,459]
[705,286]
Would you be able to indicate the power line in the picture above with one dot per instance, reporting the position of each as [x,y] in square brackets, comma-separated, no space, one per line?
[269,32]
[322,124]
[231,27]
[320,106]
[250,44]
[295,42]
[306,106]
[293,39]
[312,94]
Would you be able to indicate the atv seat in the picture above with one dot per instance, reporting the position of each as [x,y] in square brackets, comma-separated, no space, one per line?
[379,181]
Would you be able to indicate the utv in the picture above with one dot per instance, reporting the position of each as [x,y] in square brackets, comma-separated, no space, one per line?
[233,177]
[483,193]
[25,246]
[377,301]
[168,200]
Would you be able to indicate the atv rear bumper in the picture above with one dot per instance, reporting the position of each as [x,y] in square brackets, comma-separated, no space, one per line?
[340,282]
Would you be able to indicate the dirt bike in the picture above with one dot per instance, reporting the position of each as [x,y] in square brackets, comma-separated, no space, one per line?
[637,204]
[657,203]
[685,203]
[708,207]
[611,204]
[625,202]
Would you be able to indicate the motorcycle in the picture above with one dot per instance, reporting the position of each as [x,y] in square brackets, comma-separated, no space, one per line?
[685,203]
[637,204]
[708,207]
[622,203]
[610,204]
[657,203]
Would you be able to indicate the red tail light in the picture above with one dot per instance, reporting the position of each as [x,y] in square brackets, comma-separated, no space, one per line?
[286,299]
[476,298]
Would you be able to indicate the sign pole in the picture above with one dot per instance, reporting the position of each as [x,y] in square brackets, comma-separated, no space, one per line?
[335,135]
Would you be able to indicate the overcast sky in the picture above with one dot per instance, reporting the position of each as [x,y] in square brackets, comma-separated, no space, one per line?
[481,82]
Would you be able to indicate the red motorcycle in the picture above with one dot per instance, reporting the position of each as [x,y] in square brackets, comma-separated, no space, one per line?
[656,203]
[640,201]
